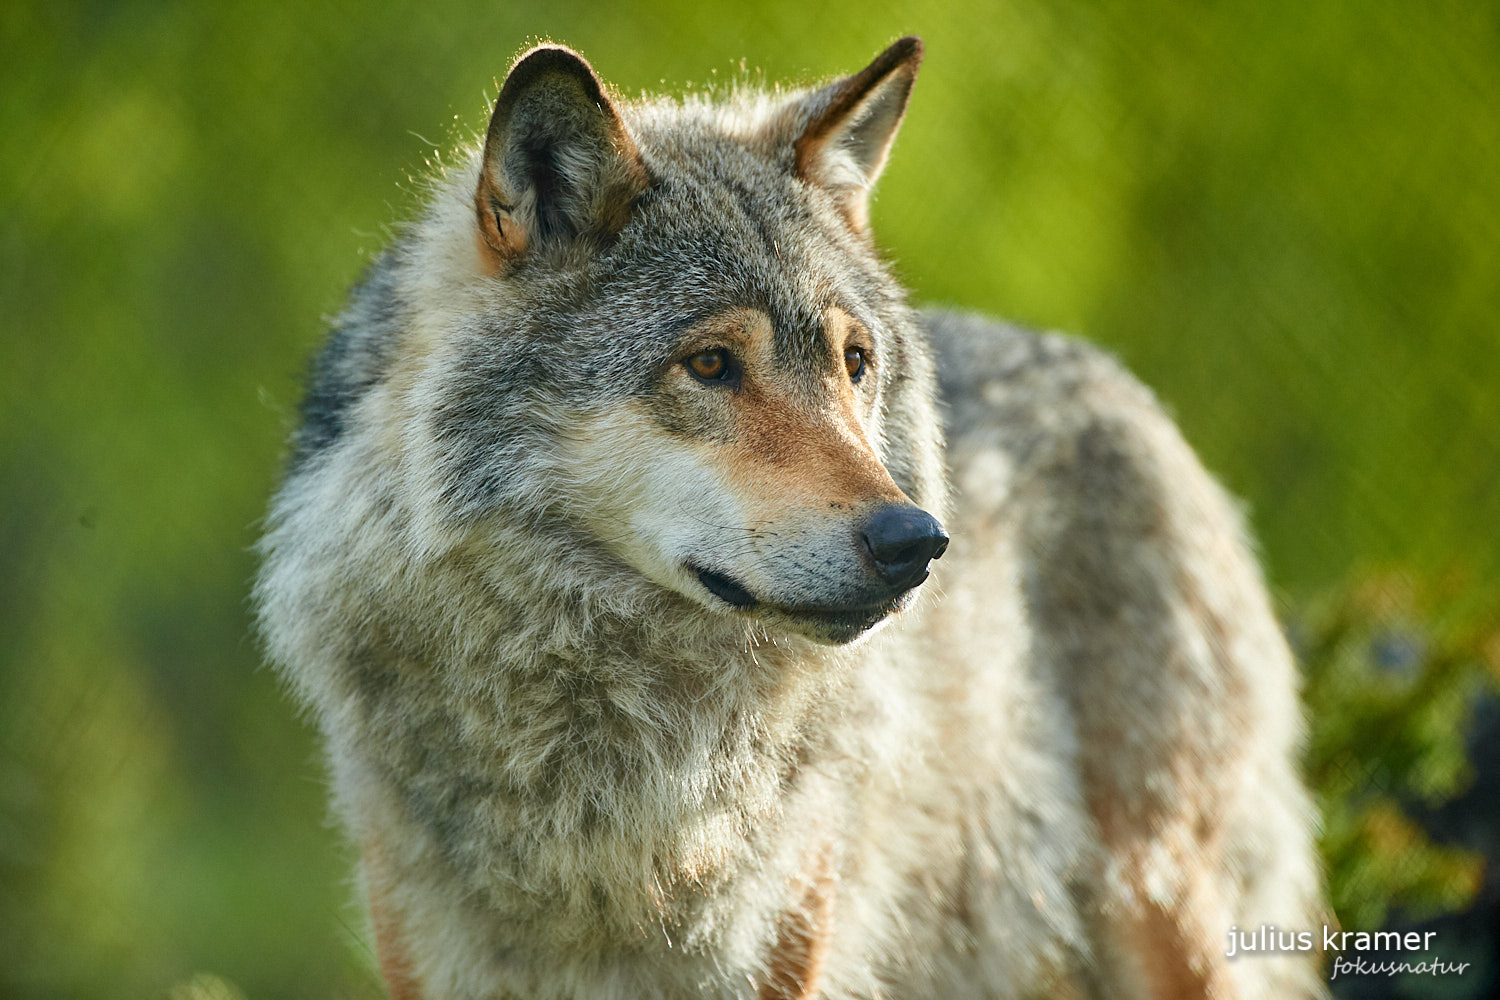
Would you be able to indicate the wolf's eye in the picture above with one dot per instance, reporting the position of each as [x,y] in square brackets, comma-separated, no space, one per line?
[712,366]
[854,363]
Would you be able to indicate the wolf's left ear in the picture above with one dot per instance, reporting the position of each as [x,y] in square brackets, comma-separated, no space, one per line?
[558,163]
[851,124]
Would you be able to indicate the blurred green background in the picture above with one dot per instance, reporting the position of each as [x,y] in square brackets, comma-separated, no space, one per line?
[1285,216]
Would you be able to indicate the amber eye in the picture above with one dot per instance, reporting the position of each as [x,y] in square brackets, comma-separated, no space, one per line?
[712,366]
[854,363]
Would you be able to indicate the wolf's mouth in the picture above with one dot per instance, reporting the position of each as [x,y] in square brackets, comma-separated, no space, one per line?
[725,589]
[852,620]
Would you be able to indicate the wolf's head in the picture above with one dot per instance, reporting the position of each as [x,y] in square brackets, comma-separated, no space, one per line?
[660,330]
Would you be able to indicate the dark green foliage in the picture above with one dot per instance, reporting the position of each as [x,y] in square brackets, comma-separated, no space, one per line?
[1393,666]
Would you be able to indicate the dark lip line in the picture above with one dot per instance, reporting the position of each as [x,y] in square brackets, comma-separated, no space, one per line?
[840,614]
[725,588]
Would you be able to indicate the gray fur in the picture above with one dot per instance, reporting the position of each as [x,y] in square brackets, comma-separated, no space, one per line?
[574,780]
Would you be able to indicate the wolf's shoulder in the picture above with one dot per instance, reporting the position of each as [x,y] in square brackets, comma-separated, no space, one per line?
[354,357]
[1021,390]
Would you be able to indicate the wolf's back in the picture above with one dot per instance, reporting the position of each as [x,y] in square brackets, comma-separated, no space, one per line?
[1146,617]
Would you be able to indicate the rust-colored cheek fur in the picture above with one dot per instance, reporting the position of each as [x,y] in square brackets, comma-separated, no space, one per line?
[791,447]
[786,457]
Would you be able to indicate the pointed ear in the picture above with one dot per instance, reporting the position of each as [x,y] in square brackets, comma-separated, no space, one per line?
[851,124]
[558,163]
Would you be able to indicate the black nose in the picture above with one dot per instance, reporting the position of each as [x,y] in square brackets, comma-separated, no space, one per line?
[902,540]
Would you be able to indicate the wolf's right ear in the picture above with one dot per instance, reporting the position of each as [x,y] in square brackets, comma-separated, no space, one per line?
[558,163]
[847,128]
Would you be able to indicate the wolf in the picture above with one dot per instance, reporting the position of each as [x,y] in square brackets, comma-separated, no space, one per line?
[687,615]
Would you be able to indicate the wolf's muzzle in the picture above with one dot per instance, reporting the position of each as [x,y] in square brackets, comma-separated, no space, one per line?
[902,541]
